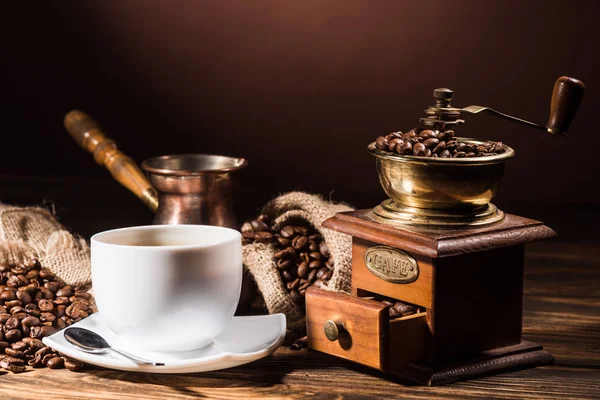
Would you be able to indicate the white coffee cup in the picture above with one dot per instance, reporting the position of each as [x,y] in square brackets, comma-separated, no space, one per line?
[167,287]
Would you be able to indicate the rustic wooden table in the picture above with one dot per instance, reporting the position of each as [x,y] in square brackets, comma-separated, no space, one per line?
[561,312]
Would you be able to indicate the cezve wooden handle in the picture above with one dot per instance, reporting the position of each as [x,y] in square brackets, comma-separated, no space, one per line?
[88,134]
[566,97]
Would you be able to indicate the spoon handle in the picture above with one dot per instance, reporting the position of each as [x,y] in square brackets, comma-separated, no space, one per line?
[137,359]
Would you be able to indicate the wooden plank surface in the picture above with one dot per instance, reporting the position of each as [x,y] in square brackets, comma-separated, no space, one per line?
[561,312]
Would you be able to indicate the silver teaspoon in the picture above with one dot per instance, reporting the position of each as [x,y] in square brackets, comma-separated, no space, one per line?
[91,342]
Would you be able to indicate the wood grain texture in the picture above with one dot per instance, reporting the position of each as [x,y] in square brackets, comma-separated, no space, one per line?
[364,332]
[561,312]
[512,230]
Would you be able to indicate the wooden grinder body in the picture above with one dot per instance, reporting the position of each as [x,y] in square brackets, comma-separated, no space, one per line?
[469,283]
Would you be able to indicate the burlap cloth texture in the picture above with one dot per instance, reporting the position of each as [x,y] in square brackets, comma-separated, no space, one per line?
[258,257]
[32,232]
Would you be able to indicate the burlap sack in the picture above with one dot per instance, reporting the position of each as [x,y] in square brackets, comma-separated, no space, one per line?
[32,232]
[258,257]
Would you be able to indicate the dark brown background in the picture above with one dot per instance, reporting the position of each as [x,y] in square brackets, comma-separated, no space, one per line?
[297,87]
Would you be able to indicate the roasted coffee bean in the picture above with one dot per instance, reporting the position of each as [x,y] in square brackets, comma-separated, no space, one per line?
[55,363]
[445,154]
[11,323]
[47,317]
[301,229]
[419,149]
[431,143]
[407,148]
[293,284]
[48,357]
[33,343]
[20,345]
[14,353]
[404,309]
[300,242]
[12,364]
[381,143]
[73,365]
[459,154]
[393,143]
[245,235]
[23,296]
[61,301]
[284,242]
[284,264]
[46,293]
[46,274]
[4,317]
[8,295]
[13,335]
[259,226]
[315,264]
[263,236]
[440,147]
[20,315]
[3,345]
[45,305]
[32,309]
[12,303]
[322,271]
[65,291]
[287,231]
[428,134]
[303,269]
[312,275]
[32,274]
[313,246]
[316,255]
[287,276]
[52,286]
[60,310]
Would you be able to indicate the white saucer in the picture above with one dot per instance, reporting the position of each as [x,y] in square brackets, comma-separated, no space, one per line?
[245,339]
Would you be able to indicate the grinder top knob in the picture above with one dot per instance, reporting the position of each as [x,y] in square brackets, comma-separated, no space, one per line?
[566,98]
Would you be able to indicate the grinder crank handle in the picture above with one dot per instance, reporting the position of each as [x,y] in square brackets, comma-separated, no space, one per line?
[87,134]
[566,98]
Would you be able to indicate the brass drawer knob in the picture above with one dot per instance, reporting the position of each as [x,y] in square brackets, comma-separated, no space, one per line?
[332,329]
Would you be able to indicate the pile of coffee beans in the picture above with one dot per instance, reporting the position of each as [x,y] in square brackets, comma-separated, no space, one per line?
[33,305]
[302,255]
[400,309]
[434,143]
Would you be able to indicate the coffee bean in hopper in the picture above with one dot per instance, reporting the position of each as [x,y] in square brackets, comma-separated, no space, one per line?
[436,144]
[302,256]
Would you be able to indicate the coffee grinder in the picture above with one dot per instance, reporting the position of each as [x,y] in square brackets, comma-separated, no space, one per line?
[438,244]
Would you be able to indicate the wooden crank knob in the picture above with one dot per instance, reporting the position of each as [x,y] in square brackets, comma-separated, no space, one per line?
[87,134]
[566,97]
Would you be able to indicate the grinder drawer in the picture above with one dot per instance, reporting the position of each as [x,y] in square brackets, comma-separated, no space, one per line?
[360,330]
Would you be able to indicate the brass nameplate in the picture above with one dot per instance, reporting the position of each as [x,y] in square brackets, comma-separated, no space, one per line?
[391,265]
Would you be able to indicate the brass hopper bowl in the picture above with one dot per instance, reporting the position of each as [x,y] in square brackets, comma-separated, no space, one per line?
[456,192]
[439,191]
